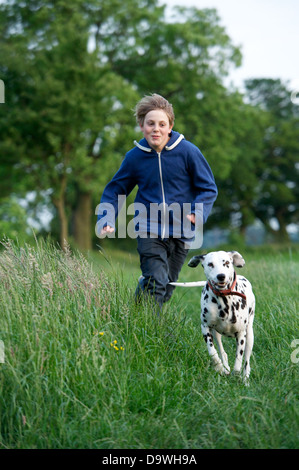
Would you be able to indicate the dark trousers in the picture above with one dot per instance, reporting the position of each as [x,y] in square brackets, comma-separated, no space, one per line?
[161,262]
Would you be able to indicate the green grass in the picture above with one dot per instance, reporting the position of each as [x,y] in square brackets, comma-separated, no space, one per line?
[65,383]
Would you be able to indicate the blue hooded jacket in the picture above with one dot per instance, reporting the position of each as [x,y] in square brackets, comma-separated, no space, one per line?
[177,181]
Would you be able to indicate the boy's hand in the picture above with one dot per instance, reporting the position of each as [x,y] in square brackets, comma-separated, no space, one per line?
[107,229]
[191,217]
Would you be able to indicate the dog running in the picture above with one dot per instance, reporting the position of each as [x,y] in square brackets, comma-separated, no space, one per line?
[227,308]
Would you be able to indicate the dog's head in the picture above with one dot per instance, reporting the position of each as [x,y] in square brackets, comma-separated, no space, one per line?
[219,266]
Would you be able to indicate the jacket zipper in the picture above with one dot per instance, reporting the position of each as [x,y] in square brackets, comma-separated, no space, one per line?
[163,195]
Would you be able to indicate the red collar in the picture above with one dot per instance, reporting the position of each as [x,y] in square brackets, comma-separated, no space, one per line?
[223,293]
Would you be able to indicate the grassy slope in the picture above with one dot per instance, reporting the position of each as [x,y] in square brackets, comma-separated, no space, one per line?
[64,384]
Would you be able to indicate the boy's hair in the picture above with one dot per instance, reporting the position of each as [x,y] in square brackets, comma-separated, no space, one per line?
[150,103]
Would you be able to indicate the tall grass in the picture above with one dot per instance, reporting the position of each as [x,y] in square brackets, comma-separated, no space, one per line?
[87,368]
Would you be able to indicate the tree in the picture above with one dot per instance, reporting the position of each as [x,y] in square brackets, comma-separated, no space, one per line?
[60,103]
[14,220]
[239,191]
[278,174]
[73,73]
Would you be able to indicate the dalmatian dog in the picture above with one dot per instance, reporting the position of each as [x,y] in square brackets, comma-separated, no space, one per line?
[227,308]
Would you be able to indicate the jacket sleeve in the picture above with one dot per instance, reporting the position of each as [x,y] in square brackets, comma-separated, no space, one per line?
[203,184]
[121,184]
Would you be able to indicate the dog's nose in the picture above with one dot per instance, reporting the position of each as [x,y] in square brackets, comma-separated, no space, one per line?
[221,277]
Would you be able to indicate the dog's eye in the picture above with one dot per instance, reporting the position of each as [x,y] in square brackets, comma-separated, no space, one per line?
[210,265]
[226,263]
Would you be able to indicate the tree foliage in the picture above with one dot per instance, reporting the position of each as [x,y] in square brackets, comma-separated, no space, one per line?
[73,71]
[278,173]
[63,105]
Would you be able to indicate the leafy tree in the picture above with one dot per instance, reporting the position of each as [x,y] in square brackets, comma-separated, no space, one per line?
[235,206]
[73,72]
[14,220]
[63,105]
[278,191]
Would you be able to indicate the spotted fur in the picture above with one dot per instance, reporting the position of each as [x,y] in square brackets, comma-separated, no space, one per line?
[228,315]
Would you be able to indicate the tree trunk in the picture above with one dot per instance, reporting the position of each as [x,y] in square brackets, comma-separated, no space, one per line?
[82,221]
[282,234]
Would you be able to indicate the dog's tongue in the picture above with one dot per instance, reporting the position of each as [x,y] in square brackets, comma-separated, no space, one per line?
[220,284]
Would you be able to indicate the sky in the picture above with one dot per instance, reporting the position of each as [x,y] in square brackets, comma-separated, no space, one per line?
[266,30]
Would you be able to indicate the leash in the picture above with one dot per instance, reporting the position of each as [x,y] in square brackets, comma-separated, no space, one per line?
[189,284]
[224,293]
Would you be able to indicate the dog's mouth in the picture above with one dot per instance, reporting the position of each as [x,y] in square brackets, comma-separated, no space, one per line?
[220,285]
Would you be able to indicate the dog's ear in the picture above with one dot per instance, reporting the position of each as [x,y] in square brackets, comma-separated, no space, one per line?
[196,260]
[238,259]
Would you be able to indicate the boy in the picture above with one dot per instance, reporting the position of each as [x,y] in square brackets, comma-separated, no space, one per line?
[171,174]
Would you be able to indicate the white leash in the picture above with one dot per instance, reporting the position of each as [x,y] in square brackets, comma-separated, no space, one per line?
[189,284]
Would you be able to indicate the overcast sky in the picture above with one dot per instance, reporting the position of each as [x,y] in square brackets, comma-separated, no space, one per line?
[266,30]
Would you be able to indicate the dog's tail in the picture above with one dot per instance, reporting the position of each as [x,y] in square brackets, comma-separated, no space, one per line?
[189,284]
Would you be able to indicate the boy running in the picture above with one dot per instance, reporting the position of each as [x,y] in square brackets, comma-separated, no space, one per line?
[172,175]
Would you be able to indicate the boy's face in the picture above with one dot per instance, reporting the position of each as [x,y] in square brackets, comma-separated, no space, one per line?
[156,129]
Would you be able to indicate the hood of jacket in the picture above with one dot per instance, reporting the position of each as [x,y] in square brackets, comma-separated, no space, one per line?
[175,139]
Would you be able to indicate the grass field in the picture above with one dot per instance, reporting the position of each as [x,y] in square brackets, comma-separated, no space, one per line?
[84,367]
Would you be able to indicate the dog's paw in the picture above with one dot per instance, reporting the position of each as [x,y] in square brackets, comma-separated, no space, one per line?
[225,371]
[221,369]
[226,367]
[246,381]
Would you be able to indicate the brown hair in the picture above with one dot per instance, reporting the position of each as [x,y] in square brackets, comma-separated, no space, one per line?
[150,103]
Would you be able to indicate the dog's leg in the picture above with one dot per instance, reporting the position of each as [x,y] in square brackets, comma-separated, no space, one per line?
[208,337]
[248,350]
[223,355]
[241,343]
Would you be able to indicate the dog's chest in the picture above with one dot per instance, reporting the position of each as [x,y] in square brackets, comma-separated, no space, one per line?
[225,314]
